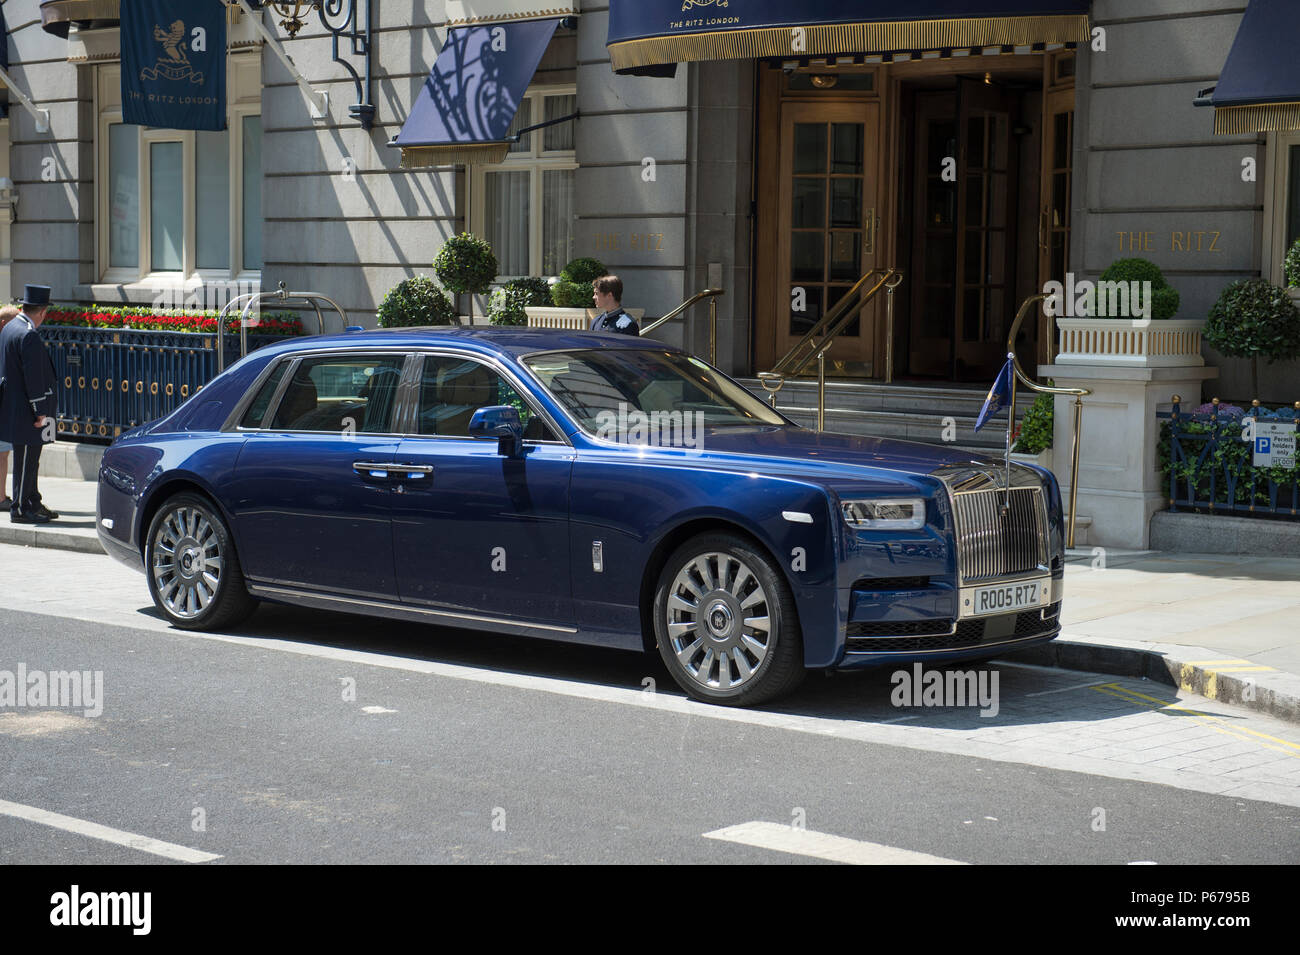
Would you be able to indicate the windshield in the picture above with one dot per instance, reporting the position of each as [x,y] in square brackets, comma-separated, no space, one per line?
[602,386]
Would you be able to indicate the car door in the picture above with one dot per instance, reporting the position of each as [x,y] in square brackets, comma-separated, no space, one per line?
[311,488]
[475,531]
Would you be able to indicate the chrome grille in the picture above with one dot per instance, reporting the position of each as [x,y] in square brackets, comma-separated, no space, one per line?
[991,544]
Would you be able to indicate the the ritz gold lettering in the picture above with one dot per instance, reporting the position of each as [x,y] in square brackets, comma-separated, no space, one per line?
[1191,240]
[636,241]
[173,100]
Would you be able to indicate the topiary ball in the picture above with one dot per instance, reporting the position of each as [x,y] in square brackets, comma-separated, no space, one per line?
[583,271]
[416,301]
[1254,319]
[572,294]
[466,264]
[509,301]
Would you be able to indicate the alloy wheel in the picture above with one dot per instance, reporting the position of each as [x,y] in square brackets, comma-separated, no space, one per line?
[187,562]
[718,621]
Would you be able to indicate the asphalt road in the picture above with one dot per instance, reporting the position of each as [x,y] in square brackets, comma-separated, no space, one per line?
[321,738]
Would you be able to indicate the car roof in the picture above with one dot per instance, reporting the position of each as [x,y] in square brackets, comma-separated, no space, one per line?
[516,342]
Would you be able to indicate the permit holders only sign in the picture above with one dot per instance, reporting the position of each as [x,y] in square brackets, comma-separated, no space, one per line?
[1273,442]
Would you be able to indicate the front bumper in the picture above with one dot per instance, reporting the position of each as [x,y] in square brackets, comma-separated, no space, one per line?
[944,641]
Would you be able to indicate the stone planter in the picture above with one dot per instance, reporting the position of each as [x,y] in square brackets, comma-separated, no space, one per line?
[1174,343]
[573,319]
[1043,459]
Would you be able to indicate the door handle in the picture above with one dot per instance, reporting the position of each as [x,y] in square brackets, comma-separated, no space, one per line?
[372,469]
[410,472]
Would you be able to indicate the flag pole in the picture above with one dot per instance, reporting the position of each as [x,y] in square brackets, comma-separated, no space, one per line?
[1011,422]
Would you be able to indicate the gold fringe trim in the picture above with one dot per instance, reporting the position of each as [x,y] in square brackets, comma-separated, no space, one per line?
[416,157]
[846,38]
[1262,118]
[545,14]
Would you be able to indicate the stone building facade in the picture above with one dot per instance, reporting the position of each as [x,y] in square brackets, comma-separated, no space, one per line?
[677,182]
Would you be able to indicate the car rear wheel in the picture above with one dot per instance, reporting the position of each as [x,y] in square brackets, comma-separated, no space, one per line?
[194,574]
[726,624]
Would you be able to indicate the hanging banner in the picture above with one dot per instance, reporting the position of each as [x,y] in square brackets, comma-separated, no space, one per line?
[174,63]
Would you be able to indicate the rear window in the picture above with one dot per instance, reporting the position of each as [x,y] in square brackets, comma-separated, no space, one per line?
[344,394]
[257,410]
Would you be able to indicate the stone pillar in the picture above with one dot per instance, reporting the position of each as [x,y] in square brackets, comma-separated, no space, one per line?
[1119,487]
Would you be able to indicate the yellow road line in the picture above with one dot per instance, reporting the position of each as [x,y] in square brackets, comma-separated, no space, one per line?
[1206,719]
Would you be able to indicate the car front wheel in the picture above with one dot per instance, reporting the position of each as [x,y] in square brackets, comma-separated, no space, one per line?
[726,624]
[194,574]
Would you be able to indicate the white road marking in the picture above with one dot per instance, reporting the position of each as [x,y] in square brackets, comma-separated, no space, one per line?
[376,709]
[93,830]
[822,845]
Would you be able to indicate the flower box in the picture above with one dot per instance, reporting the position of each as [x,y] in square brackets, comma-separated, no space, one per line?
[1131,344]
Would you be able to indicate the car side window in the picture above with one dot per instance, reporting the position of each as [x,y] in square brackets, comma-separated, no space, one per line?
[257,410]
[452,389]
[343,394]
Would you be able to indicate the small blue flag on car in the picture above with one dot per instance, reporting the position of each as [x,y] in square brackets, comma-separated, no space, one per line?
[999,395]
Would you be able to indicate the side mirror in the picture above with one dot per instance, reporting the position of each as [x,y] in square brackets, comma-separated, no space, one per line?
[500,422]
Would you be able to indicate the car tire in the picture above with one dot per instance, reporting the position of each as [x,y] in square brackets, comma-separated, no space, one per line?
[715,595]
[202,588]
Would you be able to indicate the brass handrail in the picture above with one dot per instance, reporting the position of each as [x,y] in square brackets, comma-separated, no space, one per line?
[824,332]
[1032,385]
[709,293]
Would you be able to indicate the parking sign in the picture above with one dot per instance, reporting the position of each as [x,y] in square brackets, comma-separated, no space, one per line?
[1274,444]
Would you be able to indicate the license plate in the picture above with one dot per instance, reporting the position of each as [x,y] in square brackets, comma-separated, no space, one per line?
[1004,598]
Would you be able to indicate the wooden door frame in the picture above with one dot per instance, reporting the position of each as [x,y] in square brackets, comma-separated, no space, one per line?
[1056,91]
[769,299]
[888,89]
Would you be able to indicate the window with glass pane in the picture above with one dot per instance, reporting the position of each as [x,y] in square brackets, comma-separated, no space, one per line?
[326,393]
[558,225]
[124,197]
[166,207]
[212,185]
[559,136]
[252,198]
[507,217]
[524,117]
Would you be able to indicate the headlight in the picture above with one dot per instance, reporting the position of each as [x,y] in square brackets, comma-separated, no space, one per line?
[891,514]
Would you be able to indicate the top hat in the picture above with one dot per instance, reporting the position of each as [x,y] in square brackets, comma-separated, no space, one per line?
[36,295]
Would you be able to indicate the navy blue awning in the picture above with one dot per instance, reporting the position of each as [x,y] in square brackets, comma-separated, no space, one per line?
[465,109]
[648,32]
[1259,86]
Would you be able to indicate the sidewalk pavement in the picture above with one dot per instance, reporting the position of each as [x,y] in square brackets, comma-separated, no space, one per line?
[1224,627]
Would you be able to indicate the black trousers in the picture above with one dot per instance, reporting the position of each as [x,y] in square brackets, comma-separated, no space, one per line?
[27,497]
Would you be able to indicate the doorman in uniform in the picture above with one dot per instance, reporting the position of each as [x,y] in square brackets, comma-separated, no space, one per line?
[27,403]
[607,293]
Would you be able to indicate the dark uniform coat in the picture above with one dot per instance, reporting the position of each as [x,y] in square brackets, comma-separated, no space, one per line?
[28,388]
[616,321]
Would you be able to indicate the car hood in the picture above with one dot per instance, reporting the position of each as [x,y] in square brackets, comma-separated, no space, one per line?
[789,449]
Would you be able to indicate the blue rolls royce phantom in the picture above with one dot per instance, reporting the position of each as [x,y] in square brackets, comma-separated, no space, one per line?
[577,486]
